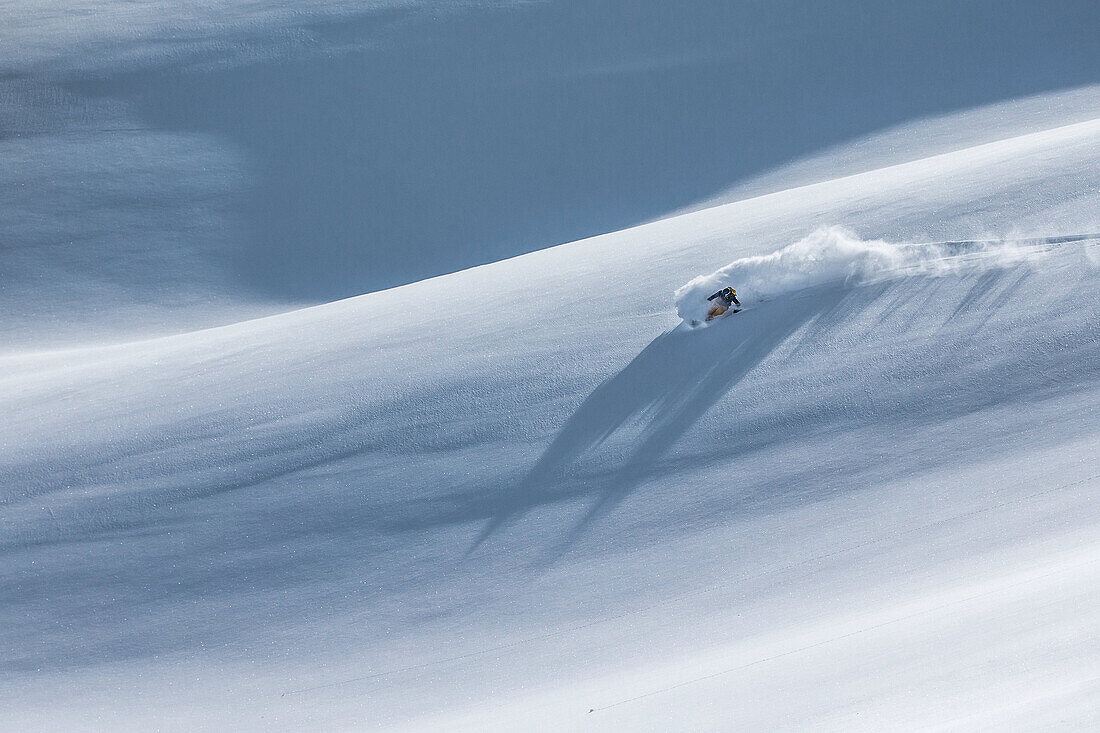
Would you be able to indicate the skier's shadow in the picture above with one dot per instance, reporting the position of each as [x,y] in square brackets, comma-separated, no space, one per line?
[662,392]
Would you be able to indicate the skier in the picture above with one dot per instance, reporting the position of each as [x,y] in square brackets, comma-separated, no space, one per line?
[724,298]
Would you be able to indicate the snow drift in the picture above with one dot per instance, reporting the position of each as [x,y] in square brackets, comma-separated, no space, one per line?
[833,256]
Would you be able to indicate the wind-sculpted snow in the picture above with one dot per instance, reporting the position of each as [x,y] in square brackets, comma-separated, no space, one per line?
[833,256]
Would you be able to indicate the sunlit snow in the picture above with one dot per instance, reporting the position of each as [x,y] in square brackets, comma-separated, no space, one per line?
[345,382]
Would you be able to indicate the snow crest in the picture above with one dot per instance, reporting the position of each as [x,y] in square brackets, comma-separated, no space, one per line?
[834,256]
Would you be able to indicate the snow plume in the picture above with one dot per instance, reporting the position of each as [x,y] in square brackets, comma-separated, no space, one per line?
[832,256]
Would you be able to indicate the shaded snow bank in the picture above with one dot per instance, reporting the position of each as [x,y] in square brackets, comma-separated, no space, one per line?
[833,256]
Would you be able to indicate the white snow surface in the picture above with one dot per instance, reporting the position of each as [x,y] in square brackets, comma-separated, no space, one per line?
[525,496]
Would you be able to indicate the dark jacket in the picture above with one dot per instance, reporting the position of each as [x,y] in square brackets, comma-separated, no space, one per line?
[728,296]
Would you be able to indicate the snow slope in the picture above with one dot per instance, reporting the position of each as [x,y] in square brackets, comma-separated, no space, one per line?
[523,496]
[167,165]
